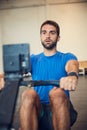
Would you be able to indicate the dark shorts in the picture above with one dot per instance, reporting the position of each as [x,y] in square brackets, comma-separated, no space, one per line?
[45,119]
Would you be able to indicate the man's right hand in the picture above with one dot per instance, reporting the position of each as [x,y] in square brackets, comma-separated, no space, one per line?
[2,82]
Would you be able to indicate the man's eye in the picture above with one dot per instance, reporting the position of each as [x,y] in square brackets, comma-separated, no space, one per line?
[43,32]
[53,32]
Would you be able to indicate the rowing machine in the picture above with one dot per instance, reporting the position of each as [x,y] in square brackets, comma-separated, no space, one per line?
[16,61]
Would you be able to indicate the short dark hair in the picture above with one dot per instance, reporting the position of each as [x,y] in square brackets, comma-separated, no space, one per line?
[53,23]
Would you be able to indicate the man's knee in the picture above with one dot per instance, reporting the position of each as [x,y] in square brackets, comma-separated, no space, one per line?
[57,96]
[28,97]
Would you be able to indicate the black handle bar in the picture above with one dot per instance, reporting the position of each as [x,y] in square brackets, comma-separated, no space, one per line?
[41,82]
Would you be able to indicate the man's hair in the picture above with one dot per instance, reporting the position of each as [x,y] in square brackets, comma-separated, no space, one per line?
[53,23]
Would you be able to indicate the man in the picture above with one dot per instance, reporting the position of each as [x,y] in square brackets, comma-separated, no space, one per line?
[50,65]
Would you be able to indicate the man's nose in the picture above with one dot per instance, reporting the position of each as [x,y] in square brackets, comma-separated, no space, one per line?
[48,34]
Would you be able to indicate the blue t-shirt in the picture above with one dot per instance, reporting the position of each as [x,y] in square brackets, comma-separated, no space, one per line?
[49,68]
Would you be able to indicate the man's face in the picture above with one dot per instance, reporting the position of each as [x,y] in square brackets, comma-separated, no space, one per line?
[49,36]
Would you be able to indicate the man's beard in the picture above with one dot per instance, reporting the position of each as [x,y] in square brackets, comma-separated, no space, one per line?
[51,46]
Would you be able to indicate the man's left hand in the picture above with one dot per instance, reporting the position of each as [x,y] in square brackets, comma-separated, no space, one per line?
[69,83]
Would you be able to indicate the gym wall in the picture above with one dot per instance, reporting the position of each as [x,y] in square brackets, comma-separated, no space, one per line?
[22,24]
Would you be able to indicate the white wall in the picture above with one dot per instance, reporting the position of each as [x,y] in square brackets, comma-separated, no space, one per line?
[73,22]
[22,25]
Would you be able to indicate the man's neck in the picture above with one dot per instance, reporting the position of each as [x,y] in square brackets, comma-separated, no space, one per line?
[50,52]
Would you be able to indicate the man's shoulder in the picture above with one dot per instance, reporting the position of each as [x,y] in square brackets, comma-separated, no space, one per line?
[71,55]
[67,54]
[36,55]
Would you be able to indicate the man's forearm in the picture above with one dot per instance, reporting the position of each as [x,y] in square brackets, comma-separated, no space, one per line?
[72,66]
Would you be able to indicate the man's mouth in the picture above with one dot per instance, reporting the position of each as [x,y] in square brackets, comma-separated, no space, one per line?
[47,41]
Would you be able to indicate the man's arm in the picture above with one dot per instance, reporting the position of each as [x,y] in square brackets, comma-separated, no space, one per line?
[72,66]
[70,82]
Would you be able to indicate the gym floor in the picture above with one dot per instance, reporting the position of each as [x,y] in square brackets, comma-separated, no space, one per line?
[79,99]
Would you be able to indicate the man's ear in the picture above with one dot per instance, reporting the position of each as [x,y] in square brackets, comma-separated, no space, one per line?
[58,38]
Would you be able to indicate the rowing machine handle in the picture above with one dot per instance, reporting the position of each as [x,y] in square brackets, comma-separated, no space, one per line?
[41,82]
